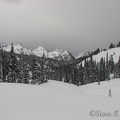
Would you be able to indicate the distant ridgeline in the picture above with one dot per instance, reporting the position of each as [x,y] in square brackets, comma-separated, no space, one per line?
[20,65]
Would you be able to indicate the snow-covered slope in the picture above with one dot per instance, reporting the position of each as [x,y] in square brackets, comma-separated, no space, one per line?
[59,101]
[114,52]
[57,54]
[103,88]
[18,48]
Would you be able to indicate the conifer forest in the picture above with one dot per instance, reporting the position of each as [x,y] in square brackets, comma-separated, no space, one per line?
[38,70]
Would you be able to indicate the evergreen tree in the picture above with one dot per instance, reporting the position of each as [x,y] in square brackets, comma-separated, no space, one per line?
[86,72]
[98,74]
[20,71]
[111,46]
[107,68]
[95,72]
[39,74]
[102,69]
[12,66]
[111,65]
[67,69]
[60,74]
[91,70]
[26,74]
[35,70]
[43,70]
[81,74]
[118,68]
[115,71]
[5,66]
[1,60]
[118,45]
[76,76]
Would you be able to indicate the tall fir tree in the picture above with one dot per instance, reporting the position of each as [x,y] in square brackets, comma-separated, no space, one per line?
[25,74]
[98,74]
[95,71]
[81,74]
[76,76]
[111,46]
[91,70]
[39,74]
[43,70]
[60,74]
[111,65]
[86,72]
[102,69]
[1,61]
[107,68]
[12,66]
[5,65]
[35,70]
[67,69]
[115,71]
[118,68]
[20,71]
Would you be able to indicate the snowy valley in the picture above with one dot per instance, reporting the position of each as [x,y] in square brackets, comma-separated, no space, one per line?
[60,101]
[60,60]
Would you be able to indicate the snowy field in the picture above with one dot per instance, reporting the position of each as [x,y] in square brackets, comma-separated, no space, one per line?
[59,101]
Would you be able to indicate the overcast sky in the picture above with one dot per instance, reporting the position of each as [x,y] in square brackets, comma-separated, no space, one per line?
[73,25]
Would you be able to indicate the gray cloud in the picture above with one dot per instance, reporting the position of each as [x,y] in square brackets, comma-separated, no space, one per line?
[73,25]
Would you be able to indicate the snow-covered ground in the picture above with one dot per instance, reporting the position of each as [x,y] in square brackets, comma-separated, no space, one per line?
[60,101]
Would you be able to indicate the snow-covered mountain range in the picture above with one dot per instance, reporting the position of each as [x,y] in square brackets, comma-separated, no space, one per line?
[18,48]
[57,54]
[60,54]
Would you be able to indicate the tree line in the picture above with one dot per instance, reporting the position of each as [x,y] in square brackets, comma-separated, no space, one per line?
[88,71]
[15,69]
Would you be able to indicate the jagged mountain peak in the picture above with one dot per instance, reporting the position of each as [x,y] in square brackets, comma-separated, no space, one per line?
[40,51]
[18,48]
[61,51]
[57,54]
[41,48]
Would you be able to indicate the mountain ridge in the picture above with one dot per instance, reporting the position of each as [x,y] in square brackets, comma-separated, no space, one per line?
[56,54]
